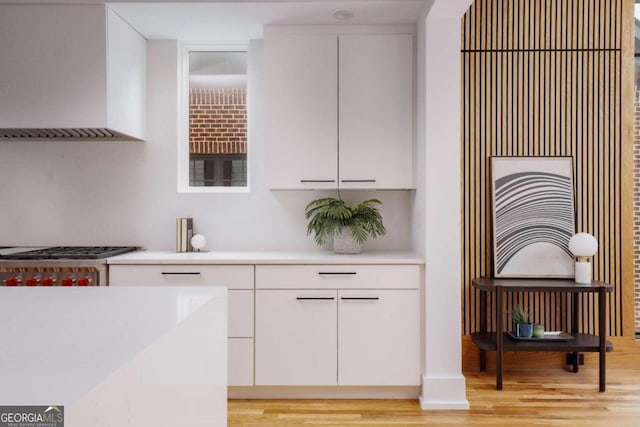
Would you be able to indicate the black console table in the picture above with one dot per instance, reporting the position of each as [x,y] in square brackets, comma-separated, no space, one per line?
[500,341]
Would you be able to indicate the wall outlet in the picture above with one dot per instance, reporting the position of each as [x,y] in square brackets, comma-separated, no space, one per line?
[570,359]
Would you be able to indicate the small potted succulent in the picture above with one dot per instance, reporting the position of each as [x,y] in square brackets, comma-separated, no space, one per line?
[524,328]
[349,226]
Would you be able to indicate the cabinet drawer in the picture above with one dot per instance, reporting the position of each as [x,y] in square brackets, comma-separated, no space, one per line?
[240,313]
[240,362]
[338,277]
[233,277]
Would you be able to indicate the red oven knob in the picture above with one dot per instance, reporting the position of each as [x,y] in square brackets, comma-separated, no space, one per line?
[12,281]
[48,281]
[84,281]
[31,281]
[67,281]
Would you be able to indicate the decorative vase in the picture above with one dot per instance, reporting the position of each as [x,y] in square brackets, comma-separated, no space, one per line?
[538,331]
[524,330]
[343,243]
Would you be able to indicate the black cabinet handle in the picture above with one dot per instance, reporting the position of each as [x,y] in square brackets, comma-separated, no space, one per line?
[358,180]
[317,180]
[360,298]
[315,298]
[335,273]
[179,273]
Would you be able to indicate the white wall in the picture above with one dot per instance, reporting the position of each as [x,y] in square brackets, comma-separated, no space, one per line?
[418,204]
[107,193]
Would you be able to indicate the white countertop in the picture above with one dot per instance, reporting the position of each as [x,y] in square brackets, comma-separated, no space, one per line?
[220,257]
[113,355]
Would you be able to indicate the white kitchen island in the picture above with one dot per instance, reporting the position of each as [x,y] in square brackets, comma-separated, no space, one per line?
[117,356]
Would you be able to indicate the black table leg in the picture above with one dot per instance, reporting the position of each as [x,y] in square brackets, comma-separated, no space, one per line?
[602,335]
[574,329]
[499,336]
[483,328]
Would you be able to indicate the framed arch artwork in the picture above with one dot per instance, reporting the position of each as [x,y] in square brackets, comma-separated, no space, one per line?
[533,216]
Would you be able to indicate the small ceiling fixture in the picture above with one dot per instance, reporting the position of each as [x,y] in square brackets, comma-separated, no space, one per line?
[343,15]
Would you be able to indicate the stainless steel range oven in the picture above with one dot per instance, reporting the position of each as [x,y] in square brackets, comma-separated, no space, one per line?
[57,266]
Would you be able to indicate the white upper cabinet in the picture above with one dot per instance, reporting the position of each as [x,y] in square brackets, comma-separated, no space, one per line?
[338,109]
[71,67]
[301,124]
[376,111]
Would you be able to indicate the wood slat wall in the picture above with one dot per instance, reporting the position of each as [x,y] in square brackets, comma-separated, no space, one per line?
[544,78]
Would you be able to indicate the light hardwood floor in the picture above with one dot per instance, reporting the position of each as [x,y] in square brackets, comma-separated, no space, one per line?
[540,398]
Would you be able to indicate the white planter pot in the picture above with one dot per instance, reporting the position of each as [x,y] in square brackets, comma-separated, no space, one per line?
[343,243]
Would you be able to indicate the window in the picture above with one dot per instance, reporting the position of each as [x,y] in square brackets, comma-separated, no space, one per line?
[218,170]
[216,128]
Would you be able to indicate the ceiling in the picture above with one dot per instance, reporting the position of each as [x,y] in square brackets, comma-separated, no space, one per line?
[240,21]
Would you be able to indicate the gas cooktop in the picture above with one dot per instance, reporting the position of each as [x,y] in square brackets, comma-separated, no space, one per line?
[70,252]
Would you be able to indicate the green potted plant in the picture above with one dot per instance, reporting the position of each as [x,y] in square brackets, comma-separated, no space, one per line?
[524,328]
[349,226]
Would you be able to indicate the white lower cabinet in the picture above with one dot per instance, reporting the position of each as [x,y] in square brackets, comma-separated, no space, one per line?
[240,313]
[296,337]
[239,281]
[379,337]
[347,336]
[309,325]
[240,362]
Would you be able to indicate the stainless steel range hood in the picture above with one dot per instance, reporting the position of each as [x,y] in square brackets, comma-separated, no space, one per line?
[64,134]
[70,71]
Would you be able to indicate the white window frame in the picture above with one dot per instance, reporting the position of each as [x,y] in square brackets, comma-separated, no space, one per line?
[183,115]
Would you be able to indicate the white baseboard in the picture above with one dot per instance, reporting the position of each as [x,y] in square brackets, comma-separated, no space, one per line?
[443,393]
[337,392]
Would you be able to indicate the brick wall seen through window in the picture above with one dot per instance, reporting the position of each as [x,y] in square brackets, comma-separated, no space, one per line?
[218,136]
